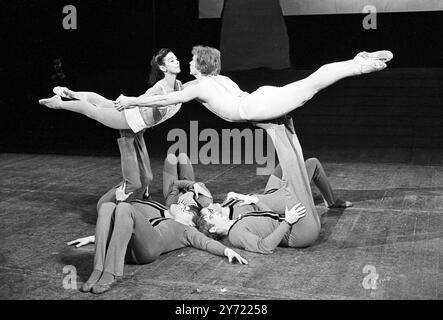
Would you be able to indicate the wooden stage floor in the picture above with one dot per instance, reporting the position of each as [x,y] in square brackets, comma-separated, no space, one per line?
[393,230]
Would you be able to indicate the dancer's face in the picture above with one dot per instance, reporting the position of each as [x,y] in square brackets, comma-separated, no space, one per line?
[192,66]
[182,214]
[171,64]
[215,215]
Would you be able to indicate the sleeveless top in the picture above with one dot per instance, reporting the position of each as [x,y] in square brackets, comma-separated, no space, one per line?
[168,111]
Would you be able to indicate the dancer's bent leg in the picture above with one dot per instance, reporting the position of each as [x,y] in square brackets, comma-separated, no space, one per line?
[186,171]
[145,243]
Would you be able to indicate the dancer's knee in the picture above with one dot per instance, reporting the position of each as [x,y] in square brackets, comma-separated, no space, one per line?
[106,209]
[183,158]
[123,210]
[171,160]
[314,162]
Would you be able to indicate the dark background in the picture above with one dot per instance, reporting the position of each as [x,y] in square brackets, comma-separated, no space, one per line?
[109,53]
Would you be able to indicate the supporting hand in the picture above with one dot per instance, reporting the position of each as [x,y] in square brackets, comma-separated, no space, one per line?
[297,212]
[120,194]
[123,102]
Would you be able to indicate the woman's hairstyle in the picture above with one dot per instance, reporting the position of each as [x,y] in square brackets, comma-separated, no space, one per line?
[208,60]
[157,61]
[204,226]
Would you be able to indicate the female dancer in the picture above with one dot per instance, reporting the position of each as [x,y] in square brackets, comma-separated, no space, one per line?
[223,96]
[164,65]
[163,76]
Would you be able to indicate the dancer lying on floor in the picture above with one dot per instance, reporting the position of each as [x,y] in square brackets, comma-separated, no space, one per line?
[139,232]
[254,222]
[223,96]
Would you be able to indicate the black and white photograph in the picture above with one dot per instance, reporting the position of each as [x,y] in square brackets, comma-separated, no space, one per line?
[221,155]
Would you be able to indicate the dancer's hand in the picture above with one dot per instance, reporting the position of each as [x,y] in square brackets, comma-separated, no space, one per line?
[245,198]
[122,103]
[232,255]
[120,194]
[198,189]
[82,241]
[297,212]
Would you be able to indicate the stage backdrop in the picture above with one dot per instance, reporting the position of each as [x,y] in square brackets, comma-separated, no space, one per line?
[214,8]
[253,35]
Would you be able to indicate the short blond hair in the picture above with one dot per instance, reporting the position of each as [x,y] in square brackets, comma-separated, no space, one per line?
[208,60]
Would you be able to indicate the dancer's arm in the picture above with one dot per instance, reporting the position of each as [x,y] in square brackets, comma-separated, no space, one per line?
[189,93]
[200,241]
[242,236]
[155,90]
[175,190]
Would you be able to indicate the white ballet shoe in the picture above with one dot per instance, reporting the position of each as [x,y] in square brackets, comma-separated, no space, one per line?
[63,92]
[53,103]
[383,55]
[369,65]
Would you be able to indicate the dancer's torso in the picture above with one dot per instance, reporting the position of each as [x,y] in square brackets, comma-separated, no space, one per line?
[172,234]
[257,224]
[155,116]
[222,97]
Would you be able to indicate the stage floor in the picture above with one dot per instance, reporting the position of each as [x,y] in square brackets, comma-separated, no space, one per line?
[394,230]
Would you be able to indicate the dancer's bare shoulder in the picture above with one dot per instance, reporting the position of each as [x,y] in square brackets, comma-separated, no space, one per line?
[189,83]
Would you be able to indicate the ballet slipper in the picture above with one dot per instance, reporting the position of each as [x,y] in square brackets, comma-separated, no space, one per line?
[340,204]
[105,283]
[93,279]
[53,103]
[383,55]
[369,65]
[63,92]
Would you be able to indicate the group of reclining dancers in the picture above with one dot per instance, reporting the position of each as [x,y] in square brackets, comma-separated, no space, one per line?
[133,228]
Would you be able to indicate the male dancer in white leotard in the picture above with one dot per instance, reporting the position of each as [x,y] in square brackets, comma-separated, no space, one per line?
[223,96]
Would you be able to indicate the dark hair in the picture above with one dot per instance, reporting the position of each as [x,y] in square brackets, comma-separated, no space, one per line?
[194,209]
[157,60]
[204,226]
[208,60]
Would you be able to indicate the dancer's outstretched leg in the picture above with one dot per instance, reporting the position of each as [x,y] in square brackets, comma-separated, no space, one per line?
[272,102]
[110,117]
[91,97]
